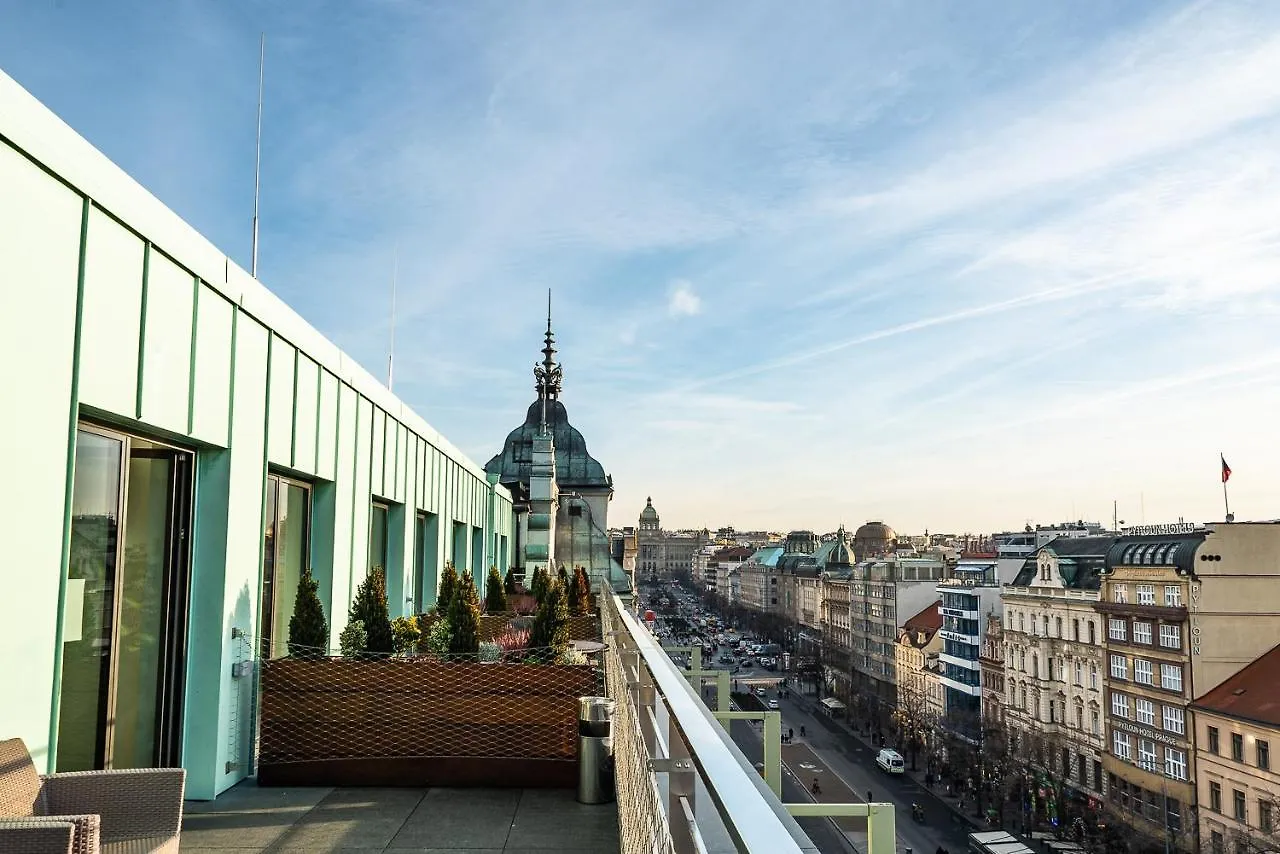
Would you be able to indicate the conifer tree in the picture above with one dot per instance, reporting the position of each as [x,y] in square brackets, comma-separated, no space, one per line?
[308,629]
[539,584]
[464,617]
[448,585]
[549,635]
[370,607]
[563,575]
[509,583]
[495,597]
[580,601]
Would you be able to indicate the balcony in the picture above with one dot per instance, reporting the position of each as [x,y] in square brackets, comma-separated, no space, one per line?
[250,819]
[682,784]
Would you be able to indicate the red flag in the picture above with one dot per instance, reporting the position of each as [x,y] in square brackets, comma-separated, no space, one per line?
[1226,469]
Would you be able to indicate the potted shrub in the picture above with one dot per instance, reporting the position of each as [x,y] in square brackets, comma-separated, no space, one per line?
[495,595]
[308,629]
[464,618]
[405,635]
[370,608]
[354,640]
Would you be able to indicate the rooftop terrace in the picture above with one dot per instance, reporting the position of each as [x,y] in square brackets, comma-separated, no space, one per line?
[253,820]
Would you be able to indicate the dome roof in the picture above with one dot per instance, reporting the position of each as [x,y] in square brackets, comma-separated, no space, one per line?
[841,552]
[575,467]
[648,514]
[874,531]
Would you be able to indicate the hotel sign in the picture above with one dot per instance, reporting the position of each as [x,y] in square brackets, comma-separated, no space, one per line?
[1195,625]
[1161,530]
[1145,732]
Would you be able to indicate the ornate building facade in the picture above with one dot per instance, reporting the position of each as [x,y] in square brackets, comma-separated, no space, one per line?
[1054,659]
[560,493]
[665,553]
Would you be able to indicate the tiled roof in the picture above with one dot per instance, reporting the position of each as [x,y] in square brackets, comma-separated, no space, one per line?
[928,620]
[1250,694]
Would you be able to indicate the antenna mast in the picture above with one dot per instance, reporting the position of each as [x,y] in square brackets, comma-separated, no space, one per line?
[391,352]
[257,154]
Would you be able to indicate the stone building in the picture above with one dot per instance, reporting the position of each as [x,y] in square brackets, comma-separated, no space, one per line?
[665,553]
[1054,658]
[835,619]
[1237,782]
[916,657]
[872,540]
[560,493]
[992,664]
[882,592]
[722,571]
[1185,608]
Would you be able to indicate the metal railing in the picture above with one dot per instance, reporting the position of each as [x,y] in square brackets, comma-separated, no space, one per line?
[661,730]
[683,786]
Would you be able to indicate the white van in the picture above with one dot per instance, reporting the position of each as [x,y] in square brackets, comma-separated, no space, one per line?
[890,761]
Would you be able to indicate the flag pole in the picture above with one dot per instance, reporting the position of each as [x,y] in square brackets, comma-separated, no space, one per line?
[257,154]
[1226,504]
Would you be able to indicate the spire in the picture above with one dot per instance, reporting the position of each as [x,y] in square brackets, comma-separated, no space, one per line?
[547,373]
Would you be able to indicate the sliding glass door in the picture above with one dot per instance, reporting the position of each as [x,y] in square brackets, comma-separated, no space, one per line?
[286,552]
[124,636]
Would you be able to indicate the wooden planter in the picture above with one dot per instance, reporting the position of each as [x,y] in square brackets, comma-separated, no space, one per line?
[419,722]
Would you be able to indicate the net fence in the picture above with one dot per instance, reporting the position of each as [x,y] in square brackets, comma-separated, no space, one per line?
[506,702]
[642,822]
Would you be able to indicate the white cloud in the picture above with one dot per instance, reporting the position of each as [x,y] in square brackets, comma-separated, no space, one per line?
[683,302]
[915,252]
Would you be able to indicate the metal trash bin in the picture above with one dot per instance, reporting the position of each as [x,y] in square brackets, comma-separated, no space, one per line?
[595,750]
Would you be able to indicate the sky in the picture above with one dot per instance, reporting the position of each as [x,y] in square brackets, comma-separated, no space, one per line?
[957,267]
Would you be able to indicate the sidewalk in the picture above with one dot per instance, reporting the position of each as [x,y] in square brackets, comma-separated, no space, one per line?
[810,705]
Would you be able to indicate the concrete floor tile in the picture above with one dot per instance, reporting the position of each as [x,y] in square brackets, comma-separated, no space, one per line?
[552,819]
[460,818]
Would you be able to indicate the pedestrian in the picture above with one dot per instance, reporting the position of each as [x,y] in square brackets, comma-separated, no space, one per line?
[868,796]
[790,733]
[802,730]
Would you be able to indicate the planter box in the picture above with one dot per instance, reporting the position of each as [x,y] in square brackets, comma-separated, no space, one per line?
[419,722]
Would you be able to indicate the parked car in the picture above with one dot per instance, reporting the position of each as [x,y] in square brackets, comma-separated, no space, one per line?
[773,704]
[891,761]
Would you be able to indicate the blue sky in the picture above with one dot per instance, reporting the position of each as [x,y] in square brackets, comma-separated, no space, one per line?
[956,266]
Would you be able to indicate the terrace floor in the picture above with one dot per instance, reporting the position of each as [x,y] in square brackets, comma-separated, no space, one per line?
[252,820]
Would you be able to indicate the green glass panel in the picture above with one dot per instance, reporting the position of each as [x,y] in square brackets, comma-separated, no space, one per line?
[378,537]
[291,557]
[266,606]
[142,607]
[91,571]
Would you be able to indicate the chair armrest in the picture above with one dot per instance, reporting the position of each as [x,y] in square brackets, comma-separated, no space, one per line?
[132,803]
[37,835]
[88,831]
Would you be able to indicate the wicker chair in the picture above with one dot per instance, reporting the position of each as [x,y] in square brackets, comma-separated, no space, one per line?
[87,812]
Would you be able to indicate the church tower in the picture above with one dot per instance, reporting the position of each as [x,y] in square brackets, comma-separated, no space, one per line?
[561,493]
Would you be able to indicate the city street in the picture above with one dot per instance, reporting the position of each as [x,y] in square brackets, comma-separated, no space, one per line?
[847,762]
[845,768]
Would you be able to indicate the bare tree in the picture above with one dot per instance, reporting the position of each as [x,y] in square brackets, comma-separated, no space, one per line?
[914,718]
[1261,838]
